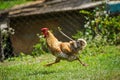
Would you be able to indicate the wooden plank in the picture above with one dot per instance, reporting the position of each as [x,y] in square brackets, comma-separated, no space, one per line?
[54,6]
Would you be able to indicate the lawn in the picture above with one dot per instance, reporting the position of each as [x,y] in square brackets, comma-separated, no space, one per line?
[103,66]
[103,61]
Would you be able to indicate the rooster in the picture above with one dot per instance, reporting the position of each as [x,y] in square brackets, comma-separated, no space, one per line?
[63,50]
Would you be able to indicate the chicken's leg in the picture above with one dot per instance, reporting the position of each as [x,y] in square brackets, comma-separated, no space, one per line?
[81,61]
[56,61]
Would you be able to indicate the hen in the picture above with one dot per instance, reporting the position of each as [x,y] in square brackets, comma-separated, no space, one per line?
[63,50]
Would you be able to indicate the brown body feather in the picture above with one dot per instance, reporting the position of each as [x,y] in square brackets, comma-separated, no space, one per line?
[57,46]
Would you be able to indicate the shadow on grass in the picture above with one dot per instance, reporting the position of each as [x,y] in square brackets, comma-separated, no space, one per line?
[41,73]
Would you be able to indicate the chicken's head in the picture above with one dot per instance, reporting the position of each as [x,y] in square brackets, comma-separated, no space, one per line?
[45,31]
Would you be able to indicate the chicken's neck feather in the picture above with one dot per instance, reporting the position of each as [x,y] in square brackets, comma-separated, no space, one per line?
[51,39]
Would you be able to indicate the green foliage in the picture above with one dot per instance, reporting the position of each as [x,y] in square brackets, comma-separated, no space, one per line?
[85,12]
[41,47]
[100,24]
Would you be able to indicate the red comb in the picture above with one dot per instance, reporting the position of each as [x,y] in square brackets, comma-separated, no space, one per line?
[44,29]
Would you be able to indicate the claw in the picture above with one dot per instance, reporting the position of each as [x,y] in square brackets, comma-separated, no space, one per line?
[85,64]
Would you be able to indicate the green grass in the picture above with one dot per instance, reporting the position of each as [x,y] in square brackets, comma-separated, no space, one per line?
[11,3]
[104,66]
